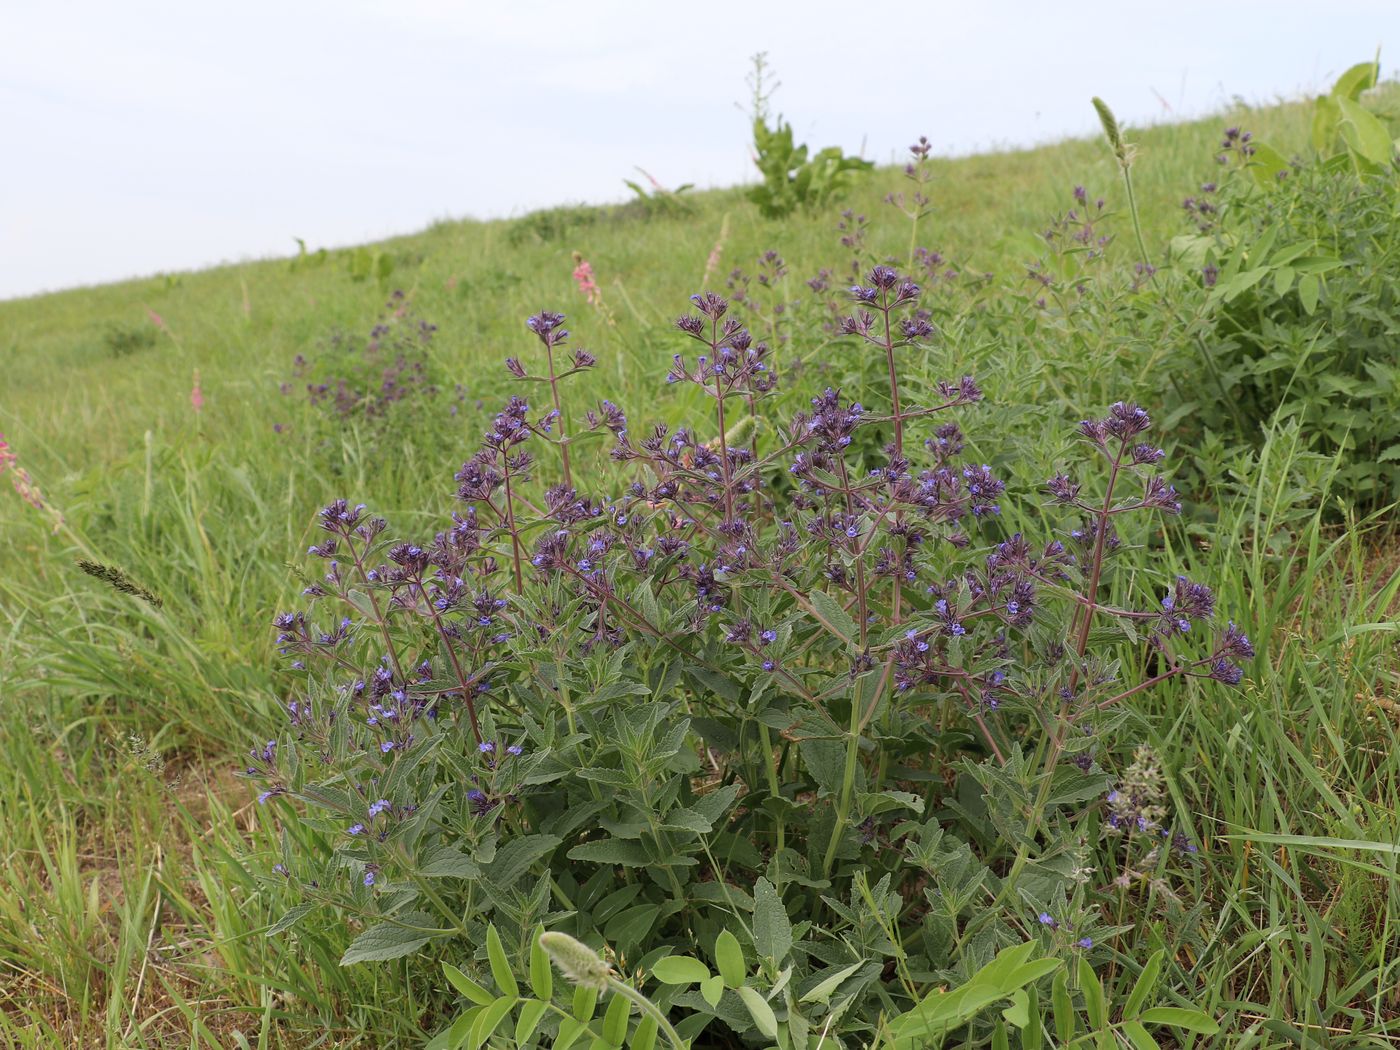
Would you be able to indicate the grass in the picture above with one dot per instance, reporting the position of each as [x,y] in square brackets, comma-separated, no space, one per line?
[137,876]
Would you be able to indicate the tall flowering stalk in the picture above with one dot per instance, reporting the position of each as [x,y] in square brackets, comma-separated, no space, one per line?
[24,485]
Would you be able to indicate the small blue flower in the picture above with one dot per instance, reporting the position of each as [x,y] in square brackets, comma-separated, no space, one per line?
[386,747]
[1084,942]
[355,829]
[369,878]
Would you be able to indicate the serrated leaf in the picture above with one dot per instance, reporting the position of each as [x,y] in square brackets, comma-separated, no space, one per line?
[759,1010]
[467,986]
[680,969]
[713,805]
[286,922]
[835,618]
[613,851]
[513,859]
[500,963]
[683,819]
[388,940]
[630,926]
[1181,1017]
[729,958]
[449,863]
[772,932]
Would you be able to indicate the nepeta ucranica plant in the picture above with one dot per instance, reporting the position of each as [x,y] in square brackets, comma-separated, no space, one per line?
[699,699]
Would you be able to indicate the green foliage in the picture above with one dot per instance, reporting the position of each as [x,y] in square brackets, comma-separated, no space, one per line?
[792,180]
[1299,315]
[659,201]
[123,340]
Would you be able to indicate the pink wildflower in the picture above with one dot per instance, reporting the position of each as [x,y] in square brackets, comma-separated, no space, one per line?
[583,277]
[156,319]
[196,395]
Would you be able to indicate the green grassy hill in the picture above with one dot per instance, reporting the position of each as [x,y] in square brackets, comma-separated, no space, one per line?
[135,884]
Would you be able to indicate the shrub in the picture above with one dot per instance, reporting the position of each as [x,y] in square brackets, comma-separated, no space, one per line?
[848,735]
[1298,282]
[349,377]
[123,340]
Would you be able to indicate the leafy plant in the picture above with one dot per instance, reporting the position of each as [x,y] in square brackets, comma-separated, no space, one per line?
[1297,308]
[792,179]
[658,200]
[611,714]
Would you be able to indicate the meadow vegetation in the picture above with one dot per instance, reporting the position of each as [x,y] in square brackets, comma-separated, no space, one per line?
[945,604]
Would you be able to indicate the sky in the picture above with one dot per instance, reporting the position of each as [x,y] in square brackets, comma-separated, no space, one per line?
[149,136]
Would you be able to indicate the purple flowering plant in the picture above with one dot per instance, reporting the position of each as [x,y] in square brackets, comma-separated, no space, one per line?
[614,692]
[348,377]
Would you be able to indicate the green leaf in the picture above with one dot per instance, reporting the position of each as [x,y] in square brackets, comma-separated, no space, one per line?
[1309,287]
[680,969]
[1092,989]
[630,854]
[821,992]
[447,862]
[467,986]
[682,819]
[541,973]
[1140,1037]
[569,1030]
[531,1010]
[585,1002]
[1360,77]
[759,1010]
[1283,280]
[1265,165]
[286,922]
[615,1020]
[1032,1035]
[1365,134]
[644,1038]
[513,859]
[500,963]
[712,989]
[1063,1009]
[1180,1017]
[1142,987]
[772,932]
[729,957]
[490,1019]
[835,617]
[389,940]
[627,928]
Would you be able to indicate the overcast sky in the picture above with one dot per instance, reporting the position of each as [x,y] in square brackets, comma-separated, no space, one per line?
[145,136]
